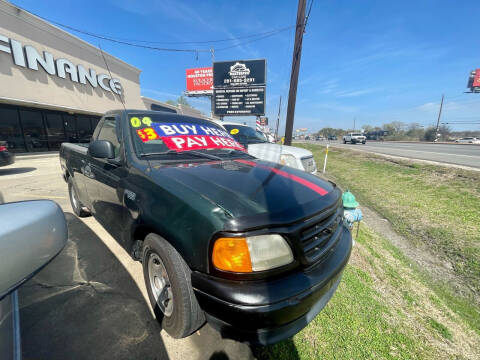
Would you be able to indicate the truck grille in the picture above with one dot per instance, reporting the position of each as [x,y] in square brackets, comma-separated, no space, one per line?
[309,164]
[320,234]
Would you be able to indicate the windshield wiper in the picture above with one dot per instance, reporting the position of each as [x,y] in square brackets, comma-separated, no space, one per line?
[189,152]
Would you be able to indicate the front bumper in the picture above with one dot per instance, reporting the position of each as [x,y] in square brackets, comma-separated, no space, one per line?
[267,311]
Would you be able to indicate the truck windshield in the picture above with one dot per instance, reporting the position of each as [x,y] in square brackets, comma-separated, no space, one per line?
[245,134]
[169,134]
[357,134]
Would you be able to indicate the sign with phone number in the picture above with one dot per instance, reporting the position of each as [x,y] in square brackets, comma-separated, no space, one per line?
[184,137]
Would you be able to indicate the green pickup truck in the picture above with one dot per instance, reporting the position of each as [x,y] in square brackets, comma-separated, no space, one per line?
[254,248]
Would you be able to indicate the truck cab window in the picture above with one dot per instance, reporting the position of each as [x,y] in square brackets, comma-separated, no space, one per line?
[109,132]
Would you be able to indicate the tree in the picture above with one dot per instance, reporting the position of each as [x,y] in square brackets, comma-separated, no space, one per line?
[181,100]
[444,132]
[394,127]
[430,134]
[415,130]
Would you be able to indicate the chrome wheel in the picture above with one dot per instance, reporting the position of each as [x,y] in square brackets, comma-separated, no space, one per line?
[160,284]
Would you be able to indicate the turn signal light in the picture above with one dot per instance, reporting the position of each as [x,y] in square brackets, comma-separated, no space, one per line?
[232,254]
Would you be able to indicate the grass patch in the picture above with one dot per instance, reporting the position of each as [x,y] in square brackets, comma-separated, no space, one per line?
[376,316]
[432,205]
[442,330]
[435,207]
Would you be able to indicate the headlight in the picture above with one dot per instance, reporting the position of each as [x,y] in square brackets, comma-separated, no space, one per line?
[252,253]
[288,160]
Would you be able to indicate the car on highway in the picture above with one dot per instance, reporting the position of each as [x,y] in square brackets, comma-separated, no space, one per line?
[332,137]
[354,138]
[32,233]
[468,140]
[255,248]
[257,146]
[6,157]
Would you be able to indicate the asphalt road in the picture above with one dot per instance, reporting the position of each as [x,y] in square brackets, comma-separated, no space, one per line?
[90,302]
[463,155]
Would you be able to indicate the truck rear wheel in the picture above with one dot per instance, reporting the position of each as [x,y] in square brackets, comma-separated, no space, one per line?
[74,201]
[169,287]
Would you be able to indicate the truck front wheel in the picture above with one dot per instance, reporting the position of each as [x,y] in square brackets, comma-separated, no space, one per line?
[169,287]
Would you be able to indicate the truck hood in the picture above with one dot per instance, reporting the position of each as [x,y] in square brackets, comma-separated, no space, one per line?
[252,193]
[272,152]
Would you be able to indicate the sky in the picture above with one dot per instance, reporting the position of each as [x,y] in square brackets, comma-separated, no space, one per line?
[372,61]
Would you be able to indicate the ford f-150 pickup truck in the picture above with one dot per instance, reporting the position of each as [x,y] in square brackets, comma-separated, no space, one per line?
[255,248]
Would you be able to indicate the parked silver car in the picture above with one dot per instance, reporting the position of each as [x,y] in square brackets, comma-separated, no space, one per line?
[32,233]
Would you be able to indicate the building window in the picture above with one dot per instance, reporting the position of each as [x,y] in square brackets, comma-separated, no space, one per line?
[84,129]
[10,129]
[34,130]
[55,130]
[70,128]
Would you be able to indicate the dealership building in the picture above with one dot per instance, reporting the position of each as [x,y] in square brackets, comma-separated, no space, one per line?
[54,86]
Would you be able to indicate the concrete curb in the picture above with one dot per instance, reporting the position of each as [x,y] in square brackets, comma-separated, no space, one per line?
[29,156]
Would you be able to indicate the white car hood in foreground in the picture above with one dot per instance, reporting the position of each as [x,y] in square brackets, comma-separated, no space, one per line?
[272,152]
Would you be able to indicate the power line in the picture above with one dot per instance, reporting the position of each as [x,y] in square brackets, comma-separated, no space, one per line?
[260,36]
[134,43]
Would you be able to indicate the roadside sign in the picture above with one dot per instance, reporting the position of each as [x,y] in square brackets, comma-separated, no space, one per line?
[239,87]
[199,81]
[476,80]
[239,101]
[239,73]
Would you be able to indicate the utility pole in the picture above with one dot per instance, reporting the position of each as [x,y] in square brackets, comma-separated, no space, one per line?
[297,54]
[438,120]
[354,124]
[278,118]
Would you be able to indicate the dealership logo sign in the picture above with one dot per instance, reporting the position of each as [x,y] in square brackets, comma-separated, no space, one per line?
[28,56]
[239,75]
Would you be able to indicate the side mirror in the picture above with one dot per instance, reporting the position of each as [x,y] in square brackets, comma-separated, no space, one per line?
[32,233]
[102,149]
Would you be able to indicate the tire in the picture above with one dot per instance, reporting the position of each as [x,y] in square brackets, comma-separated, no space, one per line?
[184,316]
[364,142]
[344,141]
[74,201]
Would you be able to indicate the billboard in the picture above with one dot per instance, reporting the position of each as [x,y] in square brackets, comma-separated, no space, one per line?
[238,101]
[239,87]
[239,73]
[476,79]
[199,81]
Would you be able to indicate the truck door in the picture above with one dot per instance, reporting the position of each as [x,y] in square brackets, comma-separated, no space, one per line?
[105,190]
